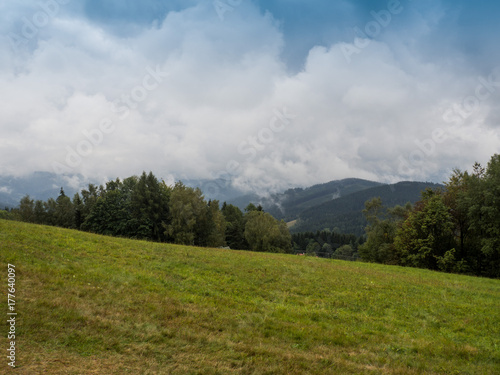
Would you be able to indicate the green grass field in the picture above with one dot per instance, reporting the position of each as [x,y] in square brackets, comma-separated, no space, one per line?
[90,304]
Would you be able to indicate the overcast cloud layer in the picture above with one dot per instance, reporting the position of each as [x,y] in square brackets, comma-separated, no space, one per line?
[270,93]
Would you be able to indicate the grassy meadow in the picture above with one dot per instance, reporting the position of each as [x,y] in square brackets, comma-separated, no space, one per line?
[91,304]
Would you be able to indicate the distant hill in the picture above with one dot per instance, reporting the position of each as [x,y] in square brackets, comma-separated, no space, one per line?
[291,203]
[334,205]
[219,189]
[38,185]
[344,214]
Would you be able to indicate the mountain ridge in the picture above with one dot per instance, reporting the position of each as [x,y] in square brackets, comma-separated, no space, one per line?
[344,214]
[290,203]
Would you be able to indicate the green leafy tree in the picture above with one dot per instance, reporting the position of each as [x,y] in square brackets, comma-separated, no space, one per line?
[6,215]
[187,207]
[40,213]
[381,231]
[484,215]
[313,248]
[252,207]
[344,252]
[26,209]
[264,233]
[326,249]
[425,239]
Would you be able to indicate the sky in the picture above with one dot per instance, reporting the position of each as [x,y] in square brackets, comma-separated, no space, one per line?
[266,94]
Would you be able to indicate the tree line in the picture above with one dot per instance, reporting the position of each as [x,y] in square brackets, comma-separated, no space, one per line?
[327,244]
[455,229]
[147,208]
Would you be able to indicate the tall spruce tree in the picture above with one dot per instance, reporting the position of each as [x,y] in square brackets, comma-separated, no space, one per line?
[150,206]
[235,227]
[64,214]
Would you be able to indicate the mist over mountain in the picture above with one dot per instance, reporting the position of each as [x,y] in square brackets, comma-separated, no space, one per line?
[289,204]
[336,205]
[38,185]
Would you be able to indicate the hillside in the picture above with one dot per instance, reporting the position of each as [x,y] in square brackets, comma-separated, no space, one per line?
[91,304]
[345,213]
[39,185]
[289,204]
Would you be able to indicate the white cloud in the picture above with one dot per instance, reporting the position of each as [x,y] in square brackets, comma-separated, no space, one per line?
[225,81]
[5,189]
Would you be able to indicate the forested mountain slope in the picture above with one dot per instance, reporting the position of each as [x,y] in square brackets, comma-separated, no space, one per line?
[345,215]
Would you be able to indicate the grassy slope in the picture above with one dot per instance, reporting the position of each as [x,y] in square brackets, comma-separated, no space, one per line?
[96,305]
